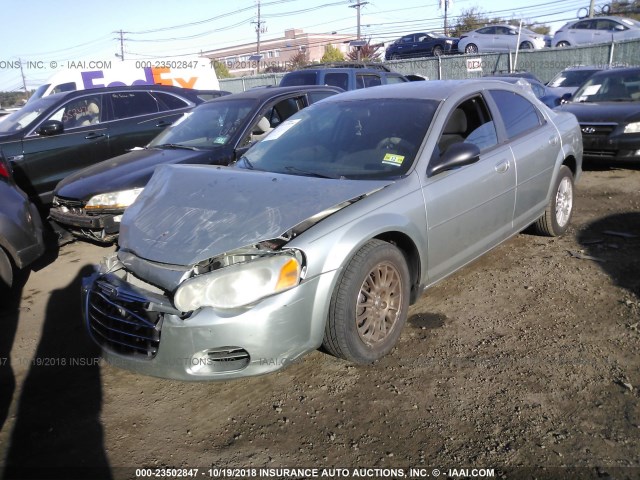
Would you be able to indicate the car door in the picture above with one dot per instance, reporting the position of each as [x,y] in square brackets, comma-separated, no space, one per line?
[84,140]
[582,32]
[504,39]
[485,39]
[423,45]
[605,31]
[470,208]
[535,144]
[404,46]
[137,116]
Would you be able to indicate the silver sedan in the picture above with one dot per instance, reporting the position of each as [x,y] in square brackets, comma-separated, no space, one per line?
[325,232]
[500,38]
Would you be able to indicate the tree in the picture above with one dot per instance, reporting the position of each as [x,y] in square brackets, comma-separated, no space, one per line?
[624,9]
[368,53]
[332,54]
[221,69]
[299,60]
[473,18]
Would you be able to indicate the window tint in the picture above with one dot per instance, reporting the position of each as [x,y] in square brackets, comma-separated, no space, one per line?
[395,79]
[299,78]
[487,30]
[166,101]
[64,87]
[317,96]
[587,24]
[132,104]
[367,80]
[518,113]
[80,112]
[337,80]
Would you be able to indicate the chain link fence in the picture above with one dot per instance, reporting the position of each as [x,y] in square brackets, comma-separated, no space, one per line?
[544,64]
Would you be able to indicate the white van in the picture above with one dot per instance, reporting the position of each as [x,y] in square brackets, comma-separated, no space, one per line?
[79,75]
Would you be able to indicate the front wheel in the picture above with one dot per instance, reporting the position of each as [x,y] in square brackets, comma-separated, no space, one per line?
[471,48]
[555,219]
[526,46]
[437,51]
[562,44]
[369,305]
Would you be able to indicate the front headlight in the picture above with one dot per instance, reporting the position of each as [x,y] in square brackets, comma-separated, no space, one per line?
[240,284]
[632,128]
[113,199]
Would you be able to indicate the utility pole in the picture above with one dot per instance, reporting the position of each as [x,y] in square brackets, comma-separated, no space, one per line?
[591,8]
[258,31]
[444,5]
[357,7]
[24,81]
[121,54]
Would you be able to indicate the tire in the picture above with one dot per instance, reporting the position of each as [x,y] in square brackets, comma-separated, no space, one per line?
[395,56]
[556,217]
[437,51]
[471,48]
[6,270]
[563,44]
[526,46]
[377,274]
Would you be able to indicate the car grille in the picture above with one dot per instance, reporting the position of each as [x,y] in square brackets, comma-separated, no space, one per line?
[595,138]
[118,319]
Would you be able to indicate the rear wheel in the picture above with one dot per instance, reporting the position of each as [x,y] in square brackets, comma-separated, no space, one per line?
[395,56]
[437,51]
[369,305]
[562,44]
[555,219]
[471,48]
[6,270]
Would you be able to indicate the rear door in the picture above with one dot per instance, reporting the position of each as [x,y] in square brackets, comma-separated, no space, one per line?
[535,144]
[137,116]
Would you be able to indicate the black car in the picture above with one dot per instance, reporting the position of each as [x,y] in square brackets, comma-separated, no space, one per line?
[21,240]
[607,106]
[421,45]
[50,138]
[90,203]
[569,79]
[344,75]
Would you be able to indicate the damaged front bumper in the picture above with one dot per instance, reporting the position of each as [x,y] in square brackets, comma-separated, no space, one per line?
[139,329]
[103,227]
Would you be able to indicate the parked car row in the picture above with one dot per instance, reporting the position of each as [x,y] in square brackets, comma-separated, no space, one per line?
[504,38]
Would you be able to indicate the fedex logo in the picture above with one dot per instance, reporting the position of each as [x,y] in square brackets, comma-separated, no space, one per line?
[152,76]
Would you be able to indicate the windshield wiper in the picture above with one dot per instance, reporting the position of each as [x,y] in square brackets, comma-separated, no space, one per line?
[290,168]
[175,145]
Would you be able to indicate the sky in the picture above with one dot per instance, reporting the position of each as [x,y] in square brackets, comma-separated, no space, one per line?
[44,37]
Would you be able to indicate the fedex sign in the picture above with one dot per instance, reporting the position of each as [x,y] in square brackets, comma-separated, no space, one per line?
[151,76]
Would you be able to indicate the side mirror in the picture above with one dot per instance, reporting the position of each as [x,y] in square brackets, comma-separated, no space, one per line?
[619,28]
[457,155]
[50,127]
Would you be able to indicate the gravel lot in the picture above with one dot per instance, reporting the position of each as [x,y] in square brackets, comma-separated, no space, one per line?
[526,361]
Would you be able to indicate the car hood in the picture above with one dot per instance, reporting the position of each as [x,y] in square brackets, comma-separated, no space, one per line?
[603,112]
[131,170]
[188,214]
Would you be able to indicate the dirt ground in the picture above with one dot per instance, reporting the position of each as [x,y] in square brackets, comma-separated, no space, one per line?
[526,362]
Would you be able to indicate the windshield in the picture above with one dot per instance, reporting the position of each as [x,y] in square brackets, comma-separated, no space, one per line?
[613,86]
[374,138]
[209,125]
[571,78]
[27,114]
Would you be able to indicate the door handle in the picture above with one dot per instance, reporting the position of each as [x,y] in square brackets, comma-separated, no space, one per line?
[93,136]
[553,140]
[502,167]
[163,123]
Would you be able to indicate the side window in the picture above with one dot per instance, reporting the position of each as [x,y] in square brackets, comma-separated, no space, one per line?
[469,122]
[64,87]
[518,114]
[340,80]
[317,96]
[80,112]
[132,104]
[367,80]
[166,101]
[407,39]
[395,79]
[487,30]
[583,25]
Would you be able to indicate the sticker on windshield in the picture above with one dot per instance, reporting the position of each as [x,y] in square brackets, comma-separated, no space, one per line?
[221,140]
[393,159]
[281,129]
[591,90]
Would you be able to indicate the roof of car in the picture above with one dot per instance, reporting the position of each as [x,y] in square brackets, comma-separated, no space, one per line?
[429,90]
[269,91]
[374,66]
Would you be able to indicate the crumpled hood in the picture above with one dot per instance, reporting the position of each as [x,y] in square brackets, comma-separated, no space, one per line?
[188,214]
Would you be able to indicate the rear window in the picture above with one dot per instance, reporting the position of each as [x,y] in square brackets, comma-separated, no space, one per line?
[299,78]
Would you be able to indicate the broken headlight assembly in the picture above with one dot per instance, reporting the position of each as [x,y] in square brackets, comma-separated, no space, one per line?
[240,284]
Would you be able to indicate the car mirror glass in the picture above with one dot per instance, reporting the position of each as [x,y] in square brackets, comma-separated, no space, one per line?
[50,127]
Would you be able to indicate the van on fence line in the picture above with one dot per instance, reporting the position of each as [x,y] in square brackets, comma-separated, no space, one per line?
[187,73]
